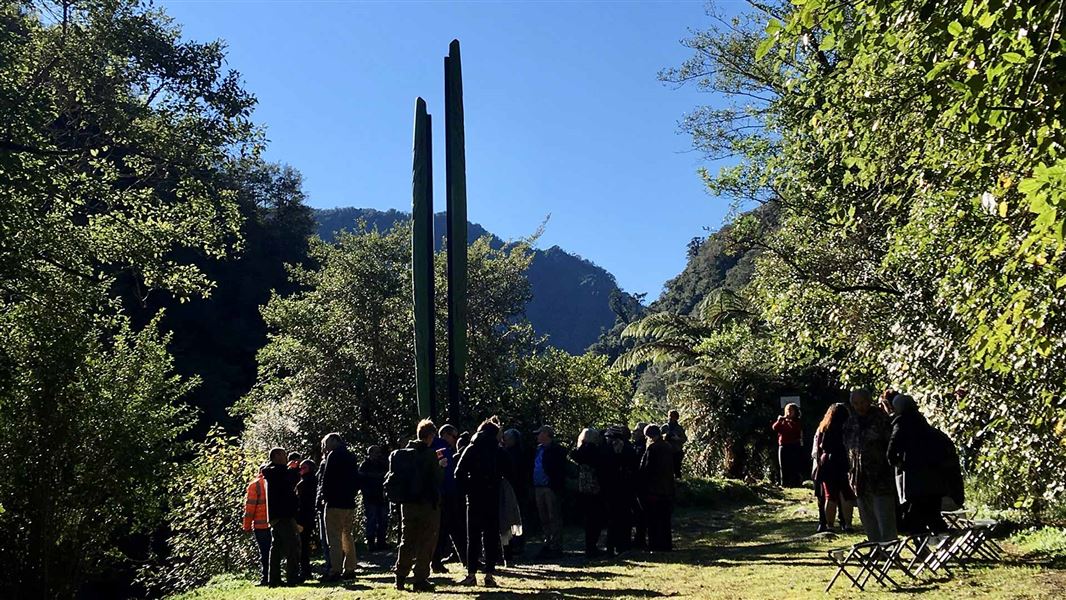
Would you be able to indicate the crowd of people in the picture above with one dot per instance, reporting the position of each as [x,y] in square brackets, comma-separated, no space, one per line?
[465,498]
[886,459]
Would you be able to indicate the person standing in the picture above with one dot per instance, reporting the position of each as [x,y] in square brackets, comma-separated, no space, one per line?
[375,509]
[657,489]
[518,477]
[591,457]
[339,485]
[866,435]
[306,494]
[640,524]
[256,522]
[320,506]
[833,467]
[414,478]
[549,480]
[919,453]
[674,433]
[452,538]
[281,483]
[620,468]
[479,472]
[789,432]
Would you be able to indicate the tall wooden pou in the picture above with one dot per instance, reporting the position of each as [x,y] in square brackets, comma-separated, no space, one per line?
[455,165]
[422,260]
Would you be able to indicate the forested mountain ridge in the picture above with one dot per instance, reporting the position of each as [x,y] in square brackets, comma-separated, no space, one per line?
[571,295]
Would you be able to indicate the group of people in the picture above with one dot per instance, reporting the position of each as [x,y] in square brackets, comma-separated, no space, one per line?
[463,497]
[886,459]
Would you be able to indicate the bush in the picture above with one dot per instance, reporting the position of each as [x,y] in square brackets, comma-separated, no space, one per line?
[205,519]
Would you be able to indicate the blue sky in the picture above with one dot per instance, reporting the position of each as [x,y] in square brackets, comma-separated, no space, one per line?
[564,115]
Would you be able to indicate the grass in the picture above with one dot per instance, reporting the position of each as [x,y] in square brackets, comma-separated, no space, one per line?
[762,548]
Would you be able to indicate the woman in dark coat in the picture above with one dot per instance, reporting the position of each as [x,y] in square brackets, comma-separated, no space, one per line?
[619,491]
[590,457]
[832,472]
[920,453]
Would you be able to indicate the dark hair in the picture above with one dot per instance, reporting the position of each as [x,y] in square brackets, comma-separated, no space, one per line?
[309,463]
[274,451]
[448,429]
[295,456]
[862,393]
[491,426]
[653,432]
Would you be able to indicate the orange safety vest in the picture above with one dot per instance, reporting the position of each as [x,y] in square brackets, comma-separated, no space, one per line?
[255,505]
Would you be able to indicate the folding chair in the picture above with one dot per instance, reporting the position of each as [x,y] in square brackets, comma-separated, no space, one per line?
[866,558]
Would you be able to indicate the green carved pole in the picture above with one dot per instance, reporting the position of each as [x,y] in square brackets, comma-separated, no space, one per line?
[455,155]
[422,259]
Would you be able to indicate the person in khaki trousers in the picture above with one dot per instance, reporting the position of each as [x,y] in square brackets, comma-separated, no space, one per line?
[337,488]
[420,517]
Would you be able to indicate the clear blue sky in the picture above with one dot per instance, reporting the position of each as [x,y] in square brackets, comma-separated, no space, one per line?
[564,114]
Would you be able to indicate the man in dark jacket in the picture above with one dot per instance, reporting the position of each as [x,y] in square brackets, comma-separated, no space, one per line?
[549,480]
[479,472]
[918,452]
[306,493]
[338,486]
[375,509]
[281,483]
[640,523]
[657,489]
[420,515]
[452,538]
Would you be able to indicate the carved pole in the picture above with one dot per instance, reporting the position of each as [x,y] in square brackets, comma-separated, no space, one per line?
[455,154]
[422,260]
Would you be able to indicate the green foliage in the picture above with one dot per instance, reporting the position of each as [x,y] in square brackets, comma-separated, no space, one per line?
[115,146]
[340,355]
[571,393]
[1042,542]
[89,424]
[207,498]
[913,155]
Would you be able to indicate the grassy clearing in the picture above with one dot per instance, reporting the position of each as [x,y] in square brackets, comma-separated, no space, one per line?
[760,549]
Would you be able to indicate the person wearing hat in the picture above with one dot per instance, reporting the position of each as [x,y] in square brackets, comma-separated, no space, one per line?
[549,479]
[657,489]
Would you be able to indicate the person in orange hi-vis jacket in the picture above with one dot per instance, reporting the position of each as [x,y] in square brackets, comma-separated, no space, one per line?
[255,521]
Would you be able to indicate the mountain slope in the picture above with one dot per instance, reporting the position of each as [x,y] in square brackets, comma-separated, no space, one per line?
[571,295]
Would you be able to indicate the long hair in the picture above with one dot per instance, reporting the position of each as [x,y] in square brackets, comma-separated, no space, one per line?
[834,416]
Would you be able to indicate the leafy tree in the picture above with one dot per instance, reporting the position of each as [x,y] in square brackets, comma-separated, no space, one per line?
[340,355]
[115,140]
[571,392]
[912,153]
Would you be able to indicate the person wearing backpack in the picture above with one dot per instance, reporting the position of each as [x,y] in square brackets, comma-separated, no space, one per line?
[413,481]
[479,471]
[338,486]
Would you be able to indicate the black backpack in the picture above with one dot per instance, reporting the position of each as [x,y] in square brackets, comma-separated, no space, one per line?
[402,483]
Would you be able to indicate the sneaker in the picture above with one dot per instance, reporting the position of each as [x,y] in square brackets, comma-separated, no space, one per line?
[470,580]
[422,586]
[330,578]
[490,581]
[439,567]
[399,583]
[348,575]
[821,528]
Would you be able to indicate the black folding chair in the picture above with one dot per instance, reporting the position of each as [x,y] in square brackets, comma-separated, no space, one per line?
[868,559]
